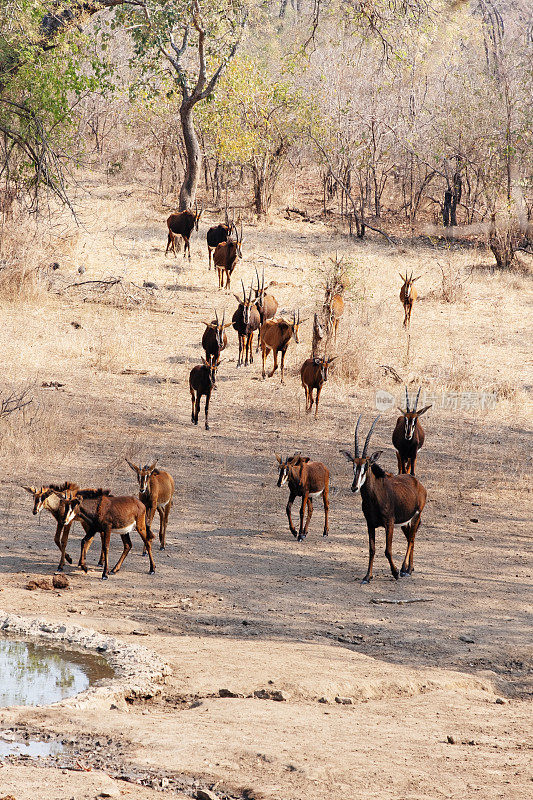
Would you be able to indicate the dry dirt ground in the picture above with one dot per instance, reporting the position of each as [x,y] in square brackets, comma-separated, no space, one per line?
[235,602]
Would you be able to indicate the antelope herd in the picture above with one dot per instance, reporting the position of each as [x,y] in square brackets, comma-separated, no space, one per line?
[387,500]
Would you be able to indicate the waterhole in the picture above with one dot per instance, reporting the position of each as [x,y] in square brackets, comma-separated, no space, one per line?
[34,674]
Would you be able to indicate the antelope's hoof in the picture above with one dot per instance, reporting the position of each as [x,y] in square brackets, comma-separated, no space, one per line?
[326,533]
[206,426]
[84,568]
[161,546]
[144,552]
[301,537]
[68,558]
[59,570]
[366,579]
[215,388]
[105,577]
[404,573]
[113,571]
[396,575]
[151,572]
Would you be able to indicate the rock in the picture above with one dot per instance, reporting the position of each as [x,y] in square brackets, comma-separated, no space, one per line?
[81,270]
[323,700]
[344,701]
[501,701]
[60,582]
[450,739]
[76,325]
[206,794]
[474,519]
[270,694]
[150,285]
[467,639]
[228,693]
[40,583]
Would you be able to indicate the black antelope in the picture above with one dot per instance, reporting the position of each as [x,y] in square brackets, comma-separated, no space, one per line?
[218,234]
[275,336]
[156,490]
[246,321]
[182,224]
[333,307]
[408,435]
[106,515]
[225,257]
[309,480]
[47,498]
[314,374]
[408,295]
[214,339]
[387,500]
[202,379]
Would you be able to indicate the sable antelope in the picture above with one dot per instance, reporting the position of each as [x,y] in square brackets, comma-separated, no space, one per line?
[215,340]
[408,295]
[47,498]
[307,479]
[318,335]
[156,489]
[387,500]
[314,374]
[246,321]
[333,307]
[408,435]
[267,305]
[218,234]
[276,336]
[225,257]
[106,515]
[182,224]
[202,379]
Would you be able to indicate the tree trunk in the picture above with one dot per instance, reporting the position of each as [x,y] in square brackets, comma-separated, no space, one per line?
[194,157]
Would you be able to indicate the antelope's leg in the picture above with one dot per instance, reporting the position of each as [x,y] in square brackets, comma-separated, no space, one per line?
[371,551]
[207,398]
[209,251]
[251,347]
[389,530]
[150,514]
[106,538]
[307,404]
[169,242]
[239,360]
[165,523]
[63,547]
[399,460]
[126,541]
[275,354]
[187,248]
[57,537]
[197,408]
[283,365]
[309,505]
[265,352]
[325,498]
[85,544]
[289,509]
[301,533]
[318,390]
[147,537]
[413,463]
[407,566]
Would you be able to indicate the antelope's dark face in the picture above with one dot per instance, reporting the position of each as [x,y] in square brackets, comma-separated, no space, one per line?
[71,509]
[40,497]
[212,367]
[284,466]
[361,467]
[410,420]
[144,475]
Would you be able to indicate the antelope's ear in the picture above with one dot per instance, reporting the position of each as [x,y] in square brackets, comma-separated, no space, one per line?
[348,455]
[228,325]
[423,410]
[374,457]
[278,458]
[205,362]
[130,464]
[237,298]
[30,489]
[401,410]
[417,278]
[330,360]
[401,276]
[62,495]
[208,324]
[152,466]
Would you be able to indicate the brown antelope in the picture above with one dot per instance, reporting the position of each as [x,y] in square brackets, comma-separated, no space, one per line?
[266,304]
[246,321]
[276,335]
[314,374]
[47,498]
[225,257]
[218,234]
[156,490]
[318,335]
[307,479]
[408,295]
[182,224]
[387,500]
[106,515]
[215,340]
[202,379]
[408,435]
[333,307]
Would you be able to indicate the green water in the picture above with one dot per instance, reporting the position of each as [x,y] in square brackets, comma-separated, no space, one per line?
[33,674]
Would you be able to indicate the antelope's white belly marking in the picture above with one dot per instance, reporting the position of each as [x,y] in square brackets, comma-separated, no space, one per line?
[127,529]
[161,506]
[314,495]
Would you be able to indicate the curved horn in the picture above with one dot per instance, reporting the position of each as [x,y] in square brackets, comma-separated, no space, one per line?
[216,316]
[416,401]
[243,292]
[406,399]
[356,451]
[367,440]
[263,283]
[251,290]
[258,281]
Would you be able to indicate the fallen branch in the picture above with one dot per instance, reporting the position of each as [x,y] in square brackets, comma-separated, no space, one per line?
[392,372]
[385,600]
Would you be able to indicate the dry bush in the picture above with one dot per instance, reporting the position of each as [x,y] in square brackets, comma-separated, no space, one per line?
[24,261]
